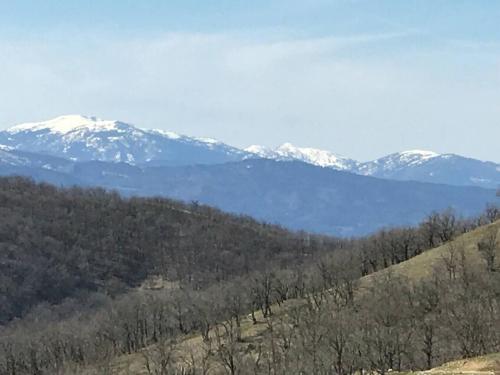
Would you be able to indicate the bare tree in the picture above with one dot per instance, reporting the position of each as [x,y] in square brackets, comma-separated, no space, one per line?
[227,350]
[450,260]
[159,359]
[492,212]
[488,247]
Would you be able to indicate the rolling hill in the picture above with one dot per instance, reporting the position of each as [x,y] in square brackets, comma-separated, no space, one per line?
[296,195]
[100,283]
[409,274]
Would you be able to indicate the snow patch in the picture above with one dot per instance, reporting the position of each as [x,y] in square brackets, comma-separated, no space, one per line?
[262,151]
[288,151]
[209,141]
[66,124]
[166,133]
[421,154]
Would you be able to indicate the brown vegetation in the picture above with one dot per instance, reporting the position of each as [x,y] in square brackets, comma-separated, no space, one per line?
[241,297]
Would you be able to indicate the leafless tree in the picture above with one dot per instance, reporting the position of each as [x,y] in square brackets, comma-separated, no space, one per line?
[488,247]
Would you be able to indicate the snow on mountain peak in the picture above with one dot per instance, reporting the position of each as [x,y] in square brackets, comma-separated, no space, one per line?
[288,151]
[397,161]
[208,141]
[323,158]
[66,124]
[166,133]
[79,138]
[412,157]
[314,156]
[82,138]
[262,151]
[420,153]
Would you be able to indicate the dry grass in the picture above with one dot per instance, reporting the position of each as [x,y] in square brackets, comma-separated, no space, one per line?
[488,364]
[418,268]
[424,265]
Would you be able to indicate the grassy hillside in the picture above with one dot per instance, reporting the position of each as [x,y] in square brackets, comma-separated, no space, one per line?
[422,268]
[95,276]
[484,365]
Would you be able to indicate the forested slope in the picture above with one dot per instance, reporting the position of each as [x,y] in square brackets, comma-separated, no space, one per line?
[441,305]
[59,243]
[72,259]
[296,195]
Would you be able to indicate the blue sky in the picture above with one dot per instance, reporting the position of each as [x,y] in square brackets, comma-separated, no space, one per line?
[360,78]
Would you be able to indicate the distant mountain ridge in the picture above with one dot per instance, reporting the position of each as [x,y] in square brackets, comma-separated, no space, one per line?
[426,166]
[320,158]
[411,165]
[79,138]
[294,194]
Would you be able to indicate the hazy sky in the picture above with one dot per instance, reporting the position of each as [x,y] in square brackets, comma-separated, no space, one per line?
[360,78]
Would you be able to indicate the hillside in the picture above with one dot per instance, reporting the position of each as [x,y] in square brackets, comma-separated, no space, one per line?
[296,195]
[298,188]
[88,277]
[60,243]
[485,365]
[425,265]
[192,351]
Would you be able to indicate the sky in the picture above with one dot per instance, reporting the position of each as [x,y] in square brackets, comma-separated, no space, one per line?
[359,78]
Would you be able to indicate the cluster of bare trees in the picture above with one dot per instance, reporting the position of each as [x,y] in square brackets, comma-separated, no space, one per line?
[41,344]
[334,326]
[71,260]
[392,324]
[392,246]
[63,243]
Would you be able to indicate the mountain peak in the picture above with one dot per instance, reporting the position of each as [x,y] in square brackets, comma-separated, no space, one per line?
[411,157]
[83,138]
[66,124]
[422,153]
[287,146]
[288,151]
[396,162]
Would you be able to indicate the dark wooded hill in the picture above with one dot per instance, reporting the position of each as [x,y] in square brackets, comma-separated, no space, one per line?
[56,243]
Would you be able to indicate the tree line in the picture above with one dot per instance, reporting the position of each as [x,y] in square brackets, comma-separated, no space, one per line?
[72,259]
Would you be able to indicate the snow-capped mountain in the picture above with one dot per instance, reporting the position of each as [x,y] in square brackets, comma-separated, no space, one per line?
[302,188]
[412,165]
[78,138]
[314,156]
[396,162]
[81,138]
[428,166]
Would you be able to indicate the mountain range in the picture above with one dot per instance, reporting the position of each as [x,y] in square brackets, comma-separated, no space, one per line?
[300,188]
[80,138]
[412,165]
